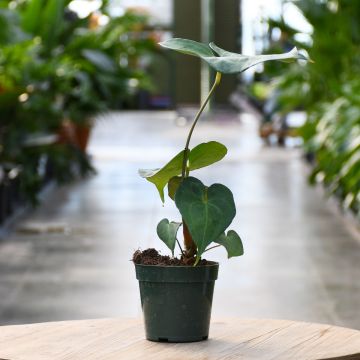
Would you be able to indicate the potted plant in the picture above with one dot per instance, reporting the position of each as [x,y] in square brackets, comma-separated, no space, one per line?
[176,293]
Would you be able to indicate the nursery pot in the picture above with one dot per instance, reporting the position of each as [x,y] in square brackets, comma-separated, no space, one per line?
[82,135]
[176,301]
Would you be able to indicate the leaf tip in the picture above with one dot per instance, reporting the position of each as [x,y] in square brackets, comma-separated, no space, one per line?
[197,260]
[301,56]
[311,61]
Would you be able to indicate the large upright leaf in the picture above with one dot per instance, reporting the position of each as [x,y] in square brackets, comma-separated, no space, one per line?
[227,62]
[207,211]
[200,156]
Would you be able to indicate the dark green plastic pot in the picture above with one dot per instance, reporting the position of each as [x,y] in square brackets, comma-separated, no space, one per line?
[176,301]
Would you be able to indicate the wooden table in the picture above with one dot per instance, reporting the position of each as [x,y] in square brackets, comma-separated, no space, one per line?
[118,339]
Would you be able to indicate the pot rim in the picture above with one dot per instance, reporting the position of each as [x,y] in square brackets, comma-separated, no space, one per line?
[185,274]
[213,263]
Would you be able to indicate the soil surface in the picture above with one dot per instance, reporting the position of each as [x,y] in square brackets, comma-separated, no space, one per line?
[152,257]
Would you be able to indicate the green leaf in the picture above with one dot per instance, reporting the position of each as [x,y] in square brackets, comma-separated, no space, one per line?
[31,15]
[160,177]
[52,22]
[227,62]
[188,47]
[200,156]
[99,59]
[173,185]
[206,154]
[232,243]
[207,211]
[221,52]
[167,233]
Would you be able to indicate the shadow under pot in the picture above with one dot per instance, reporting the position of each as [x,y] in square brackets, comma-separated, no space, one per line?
[176,301]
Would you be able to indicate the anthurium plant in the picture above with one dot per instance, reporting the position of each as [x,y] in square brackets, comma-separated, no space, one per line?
[206,211]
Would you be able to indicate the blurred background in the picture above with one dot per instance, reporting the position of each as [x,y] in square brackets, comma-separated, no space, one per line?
[87,96]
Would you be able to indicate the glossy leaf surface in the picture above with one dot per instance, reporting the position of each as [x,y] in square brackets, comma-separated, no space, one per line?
[207,211]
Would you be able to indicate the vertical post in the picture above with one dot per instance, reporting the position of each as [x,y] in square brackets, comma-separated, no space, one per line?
[187,25]
[227,34]
[207,22]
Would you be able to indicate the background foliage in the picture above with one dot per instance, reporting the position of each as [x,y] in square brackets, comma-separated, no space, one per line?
[54,67]
[328,90]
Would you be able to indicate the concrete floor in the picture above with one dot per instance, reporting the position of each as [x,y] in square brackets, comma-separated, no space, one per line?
[300,261]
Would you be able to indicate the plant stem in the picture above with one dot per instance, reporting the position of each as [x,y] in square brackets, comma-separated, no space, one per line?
[190,246]
[213,247]
[182,251]
[202,107]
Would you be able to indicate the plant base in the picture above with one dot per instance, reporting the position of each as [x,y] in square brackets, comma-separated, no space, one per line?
[176,301]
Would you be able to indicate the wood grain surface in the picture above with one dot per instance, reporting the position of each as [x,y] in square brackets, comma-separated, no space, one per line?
[117,339]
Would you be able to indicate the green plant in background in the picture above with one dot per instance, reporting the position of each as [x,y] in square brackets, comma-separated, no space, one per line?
[29,112]
[206,211]
[45,19]
[55,66]
[328,92]
[97,72]
[10,30]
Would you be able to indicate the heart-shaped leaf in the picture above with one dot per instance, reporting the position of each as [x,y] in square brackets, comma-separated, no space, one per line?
[227,62]
[200,156]
[207,211]
[232,243]
[167,233]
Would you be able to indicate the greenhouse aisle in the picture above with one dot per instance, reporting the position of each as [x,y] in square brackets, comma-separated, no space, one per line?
[70,259]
